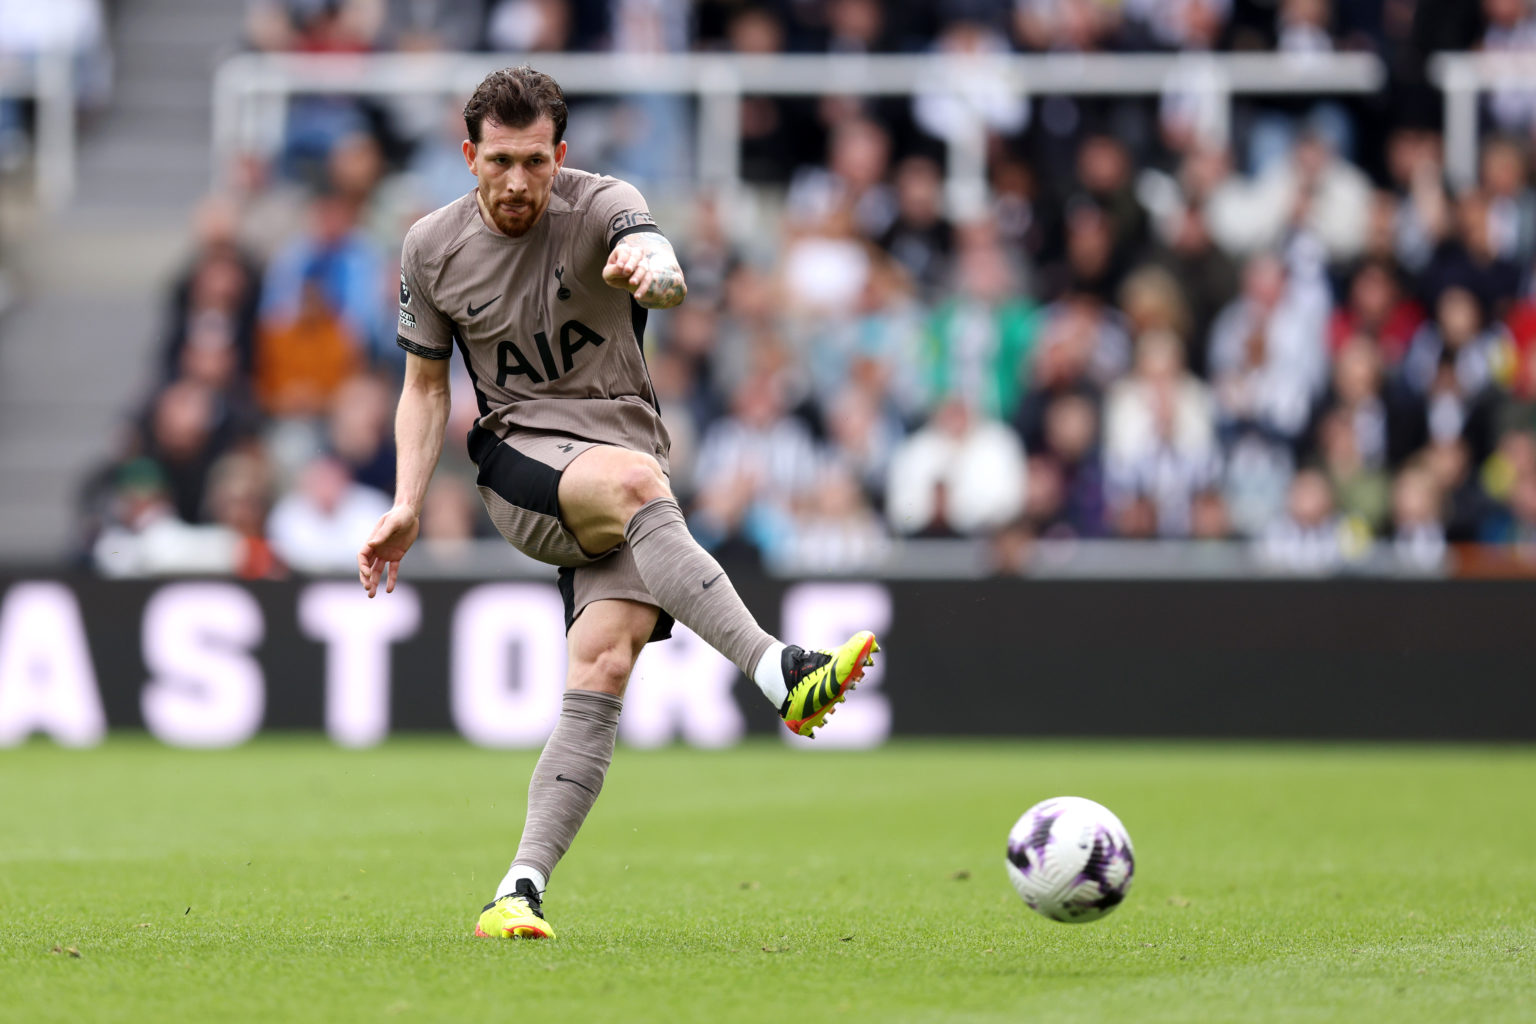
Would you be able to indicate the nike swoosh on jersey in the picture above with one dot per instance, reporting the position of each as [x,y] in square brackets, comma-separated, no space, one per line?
[477,310]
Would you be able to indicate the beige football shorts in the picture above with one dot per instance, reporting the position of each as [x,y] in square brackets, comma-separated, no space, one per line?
[519,482]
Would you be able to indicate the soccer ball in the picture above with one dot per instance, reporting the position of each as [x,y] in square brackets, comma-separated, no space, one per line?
[1070,859]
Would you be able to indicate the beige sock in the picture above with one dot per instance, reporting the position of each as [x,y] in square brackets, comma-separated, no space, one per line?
[690,585]
[568,777]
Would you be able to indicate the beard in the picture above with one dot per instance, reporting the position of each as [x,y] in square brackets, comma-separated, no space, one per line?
[516,219]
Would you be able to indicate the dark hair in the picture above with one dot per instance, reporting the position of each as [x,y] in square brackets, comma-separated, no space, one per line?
[515,98]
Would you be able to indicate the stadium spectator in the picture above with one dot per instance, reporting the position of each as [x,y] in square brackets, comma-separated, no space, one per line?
[302,361]
[1311,538]
[1072,334]
[239,497]
[184,435]
[972,94]
[1160,447]
[143,535]
[1207,278]
[1376,309]
[355,171]
[1268,349]
[450,514]
[1314,189]
[778,134]
[1511,29]
[1255,477]
[314,528]
[213,300]
[1494,497]
[857,26]
[1106,175]
[1387,423]
[1454,366]
[427,25]
[1465,510]
[1210,518]
[1158,385]
[978,342]
[1178,24]
[1420,207]
[832,530]
[675,381]
[1077,26]
[1090,263]
[1418,536]
[361,430]
[314,122]
[1361,489]
[863,432]
[1153,302]
[312,26]
[1071,498]
[435,171]
[345,270]
[1506,185]
[853,182]
[920,237]
[1515,522]
[1466,258]
[960,474]
[753,465]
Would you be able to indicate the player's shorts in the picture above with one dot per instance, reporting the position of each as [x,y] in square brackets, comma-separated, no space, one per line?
[519,482]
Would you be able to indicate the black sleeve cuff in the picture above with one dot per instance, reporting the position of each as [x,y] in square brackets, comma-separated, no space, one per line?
[422,350]
[633,229]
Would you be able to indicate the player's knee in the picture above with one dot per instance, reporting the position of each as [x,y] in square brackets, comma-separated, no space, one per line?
[640,480]
[605,668]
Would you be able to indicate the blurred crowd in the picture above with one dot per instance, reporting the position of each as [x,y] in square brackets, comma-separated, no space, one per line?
[1304,340]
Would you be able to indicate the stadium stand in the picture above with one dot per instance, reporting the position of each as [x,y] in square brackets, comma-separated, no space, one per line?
[1307,344]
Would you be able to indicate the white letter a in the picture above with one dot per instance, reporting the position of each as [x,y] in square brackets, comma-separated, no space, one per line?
[47,683]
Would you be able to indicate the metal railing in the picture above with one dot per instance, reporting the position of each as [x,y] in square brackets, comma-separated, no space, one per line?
[48,78]
[251,91]
[1463,78]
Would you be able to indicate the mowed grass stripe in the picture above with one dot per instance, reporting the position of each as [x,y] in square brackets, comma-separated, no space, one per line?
[1274,883]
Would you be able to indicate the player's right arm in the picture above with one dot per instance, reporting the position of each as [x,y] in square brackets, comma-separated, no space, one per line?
[420,421]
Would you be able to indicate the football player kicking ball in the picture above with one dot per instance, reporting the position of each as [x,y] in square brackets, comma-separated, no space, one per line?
[542,277]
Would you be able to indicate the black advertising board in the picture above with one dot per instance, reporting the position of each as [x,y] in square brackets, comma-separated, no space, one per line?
[213,662]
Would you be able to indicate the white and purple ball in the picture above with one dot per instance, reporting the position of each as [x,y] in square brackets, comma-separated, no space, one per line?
[1070,859]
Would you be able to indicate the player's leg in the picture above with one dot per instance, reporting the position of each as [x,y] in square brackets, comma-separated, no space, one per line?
[609,496]
[603,642]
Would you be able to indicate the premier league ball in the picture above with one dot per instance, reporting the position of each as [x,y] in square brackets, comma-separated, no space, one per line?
[1070,859]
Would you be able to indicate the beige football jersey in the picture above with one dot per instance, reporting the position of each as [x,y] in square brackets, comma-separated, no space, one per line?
[548,345]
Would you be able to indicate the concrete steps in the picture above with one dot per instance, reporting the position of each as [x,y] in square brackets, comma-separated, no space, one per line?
[78,350]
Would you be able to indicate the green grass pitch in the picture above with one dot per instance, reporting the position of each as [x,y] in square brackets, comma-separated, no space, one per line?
[292,881]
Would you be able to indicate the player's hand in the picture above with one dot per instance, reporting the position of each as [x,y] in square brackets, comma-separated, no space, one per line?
[627,268]
[385,546]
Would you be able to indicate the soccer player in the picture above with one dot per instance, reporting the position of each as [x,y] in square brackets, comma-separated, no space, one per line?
[542,277]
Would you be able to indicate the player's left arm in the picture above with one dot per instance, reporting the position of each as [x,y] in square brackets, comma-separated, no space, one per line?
[644,264]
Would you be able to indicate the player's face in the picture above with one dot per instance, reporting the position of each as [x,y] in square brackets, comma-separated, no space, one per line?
[516,169]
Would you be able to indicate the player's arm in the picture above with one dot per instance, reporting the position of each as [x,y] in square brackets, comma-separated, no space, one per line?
[420,421]
[644,264]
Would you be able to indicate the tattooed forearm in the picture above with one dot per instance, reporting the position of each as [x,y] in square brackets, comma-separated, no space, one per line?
[645,265]
[665,289]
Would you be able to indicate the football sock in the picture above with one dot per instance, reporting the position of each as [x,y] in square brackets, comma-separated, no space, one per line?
[691,587]
[516,871]
[567,779]
[769,674]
